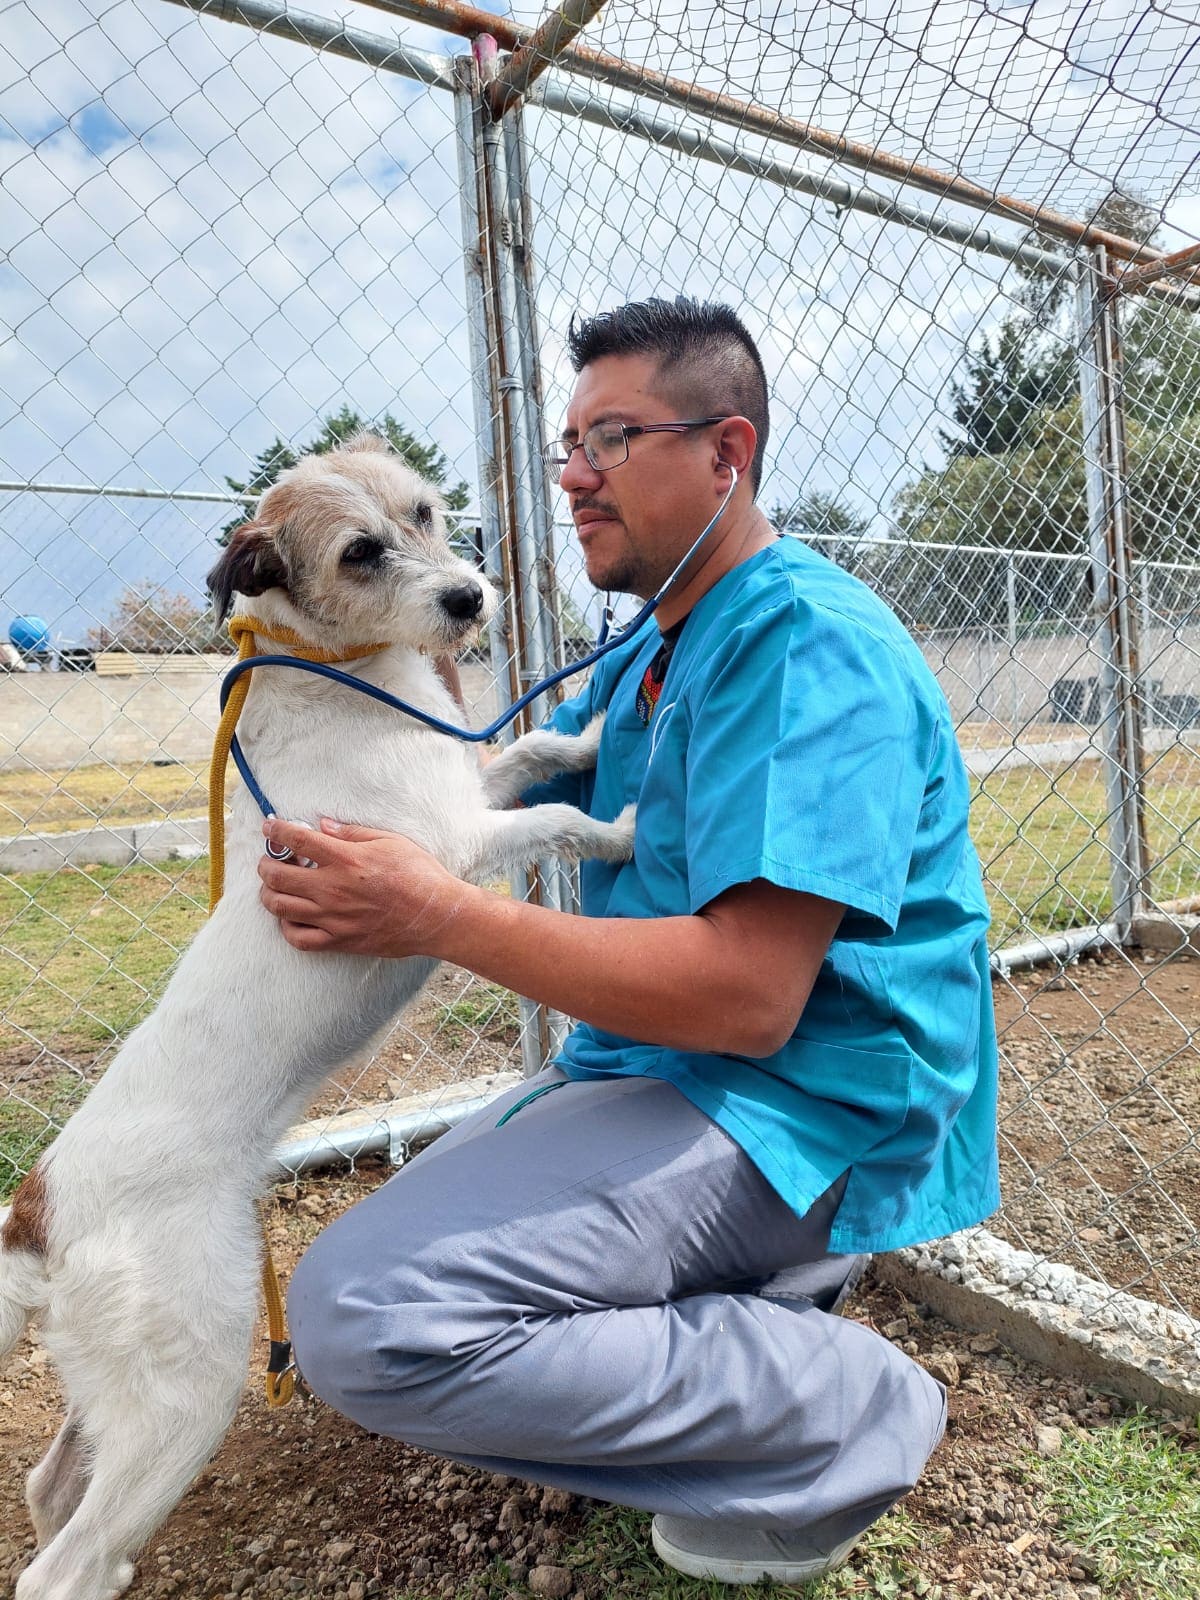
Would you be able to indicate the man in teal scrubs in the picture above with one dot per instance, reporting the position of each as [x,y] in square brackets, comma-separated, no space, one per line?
[785,1057]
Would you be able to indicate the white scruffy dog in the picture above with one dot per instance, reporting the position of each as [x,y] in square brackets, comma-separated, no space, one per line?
[135,1238]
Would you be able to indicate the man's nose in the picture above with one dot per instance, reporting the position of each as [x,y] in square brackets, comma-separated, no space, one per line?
[579,473]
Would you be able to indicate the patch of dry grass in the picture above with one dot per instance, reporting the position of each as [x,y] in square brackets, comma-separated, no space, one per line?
[80,797]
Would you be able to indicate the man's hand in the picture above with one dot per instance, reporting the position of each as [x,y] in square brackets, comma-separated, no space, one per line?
[371,893]
[733,978]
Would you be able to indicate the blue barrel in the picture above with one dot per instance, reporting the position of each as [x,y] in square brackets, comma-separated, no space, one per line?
[30,635]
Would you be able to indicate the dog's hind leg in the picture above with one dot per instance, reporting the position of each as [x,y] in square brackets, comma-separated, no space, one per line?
[56,1485]
[146,1445]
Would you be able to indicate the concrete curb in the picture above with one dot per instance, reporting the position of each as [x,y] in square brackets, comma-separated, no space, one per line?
[1066,1322]
[106,847]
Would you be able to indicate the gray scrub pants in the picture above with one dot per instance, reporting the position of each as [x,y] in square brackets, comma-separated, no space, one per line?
[596,1296]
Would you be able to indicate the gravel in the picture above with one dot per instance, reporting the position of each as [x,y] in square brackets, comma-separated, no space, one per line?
[301,1503]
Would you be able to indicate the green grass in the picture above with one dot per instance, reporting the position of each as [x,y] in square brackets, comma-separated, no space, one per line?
[615,1547]
[84,954]
[486,1011]
[1042,836]
[27,1125]
[1130,1495]
[618,1540]
[1043,841]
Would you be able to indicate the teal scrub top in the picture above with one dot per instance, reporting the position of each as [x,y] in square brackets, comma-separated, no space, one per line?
[800,737]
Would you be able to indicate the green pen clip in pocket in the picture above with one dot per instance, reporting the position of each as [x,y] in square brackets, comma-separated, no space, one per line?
[527,1099]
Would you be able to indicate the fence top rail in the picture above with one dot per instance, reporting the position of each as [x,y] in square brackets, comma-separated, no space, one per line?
[372,49]
[867,542]
[452,16]
[1005,552]
[748,117]
[114,491]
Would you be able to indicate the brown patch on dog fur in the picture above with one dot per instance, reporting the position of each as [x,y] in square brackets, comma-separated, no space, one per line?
[27,1226]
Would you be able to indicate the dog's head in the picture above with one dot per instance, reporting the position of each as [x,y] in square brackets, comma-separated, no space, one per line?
[351,547]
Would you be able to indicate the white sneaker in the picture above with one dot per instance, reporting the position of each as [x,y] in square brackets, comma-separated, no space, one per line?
[704,1549]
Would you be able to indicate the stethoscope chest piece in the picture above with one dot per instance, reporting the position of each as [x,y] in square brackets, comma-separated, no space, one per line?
[284,852]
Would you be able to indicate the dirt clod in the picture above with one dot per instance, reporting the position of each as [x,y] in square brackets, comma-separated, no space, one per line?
[553,1582]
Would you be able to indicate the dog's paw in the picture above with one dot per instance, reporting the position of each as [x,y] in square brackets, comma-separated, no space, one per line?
[623,829]
[588,742]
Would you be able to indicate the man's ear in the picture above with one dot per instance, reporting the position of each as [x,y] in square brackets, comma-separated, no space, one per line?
[251,564]
[735,444]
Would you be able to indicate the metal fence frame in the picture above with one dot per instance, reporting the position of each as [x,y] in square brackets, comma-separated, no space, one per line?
[517,518]
[548,71]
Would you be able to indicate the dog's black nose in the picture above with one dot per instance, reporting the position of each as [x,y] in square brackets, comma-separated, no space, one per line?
[464,603]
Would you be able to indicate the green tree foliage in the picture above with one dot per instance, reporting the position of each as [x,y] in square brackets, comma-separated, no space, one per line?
[278,456]
[815,515]
[1014,474]
[1034,497]
[1008,386]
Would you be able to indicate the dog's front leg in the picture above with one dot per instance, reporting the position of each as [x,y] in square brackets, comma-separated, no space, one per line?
[510,840]
[537,756]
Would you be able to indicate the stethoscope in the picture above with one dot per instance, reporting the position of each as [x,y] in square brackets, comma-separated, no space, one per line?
[604,645]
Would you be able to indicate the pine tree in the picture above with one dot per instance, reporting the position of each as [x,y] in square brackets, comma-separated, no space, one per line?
[336,428]
[817,515]
[1010,383]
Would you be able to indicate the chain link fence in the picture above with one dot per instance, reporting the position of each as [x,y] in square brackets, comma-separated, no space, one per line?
[234,234]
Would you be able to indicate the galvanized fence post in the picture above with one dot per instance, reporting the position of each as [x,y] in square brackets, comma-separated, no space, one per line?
[513,234]
[1112,600]
[506,383]
[1010,595]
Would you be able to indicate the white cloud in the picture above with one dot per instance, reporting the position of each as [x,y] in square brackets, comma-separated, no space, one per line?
[214,237]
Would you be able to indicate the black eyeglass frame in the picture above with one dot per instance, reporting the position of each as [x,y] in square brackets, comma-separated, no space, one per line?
[554,461]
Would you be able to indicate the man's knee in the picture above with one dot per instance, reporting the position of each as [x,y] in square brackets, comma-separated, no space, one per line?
[356,1318]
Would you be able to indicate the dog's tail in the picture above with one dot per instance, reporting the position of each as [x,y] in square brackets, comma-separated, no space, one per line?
[23,1282]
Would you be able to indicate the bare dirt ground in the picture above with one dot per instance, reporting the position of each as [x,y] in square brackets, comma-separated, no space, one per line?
[1100,1095]
[1101,1090]
[299,1502]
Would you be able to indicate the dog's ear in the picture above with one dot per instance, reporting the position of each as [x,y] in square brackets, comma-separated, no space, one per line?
[365,440]
[251,564]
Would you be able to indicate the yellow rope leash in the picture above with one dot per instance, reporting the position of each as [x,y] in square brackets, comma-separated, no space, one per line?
[280,1383]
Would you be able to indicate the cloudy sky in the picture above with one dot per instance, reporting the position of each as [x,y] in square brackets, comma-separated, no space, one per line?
[208,238]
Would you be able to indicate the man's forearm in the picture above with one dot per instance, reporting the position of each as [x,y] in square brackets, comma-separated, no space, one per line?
[732,979]
[670,981]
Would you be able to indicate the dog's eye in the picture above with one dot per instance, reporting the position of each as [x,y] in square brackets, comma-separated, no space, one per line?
[425,514]
[361,551]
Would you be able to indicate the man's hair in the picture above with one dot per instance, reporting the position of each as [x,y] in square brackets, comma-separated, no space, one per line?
[705,356]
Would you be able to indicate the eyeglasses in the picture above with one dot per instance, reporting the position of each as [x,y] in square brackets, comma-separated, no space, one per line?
[607,444]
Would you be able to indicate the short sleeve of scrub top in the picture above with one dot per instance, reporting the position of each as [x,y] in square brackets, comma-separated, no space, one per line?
[806,764]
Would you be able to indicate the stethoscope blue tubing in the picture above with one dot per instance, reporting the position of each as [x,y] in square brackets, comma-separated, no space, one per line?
[603,647]
[321,670]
